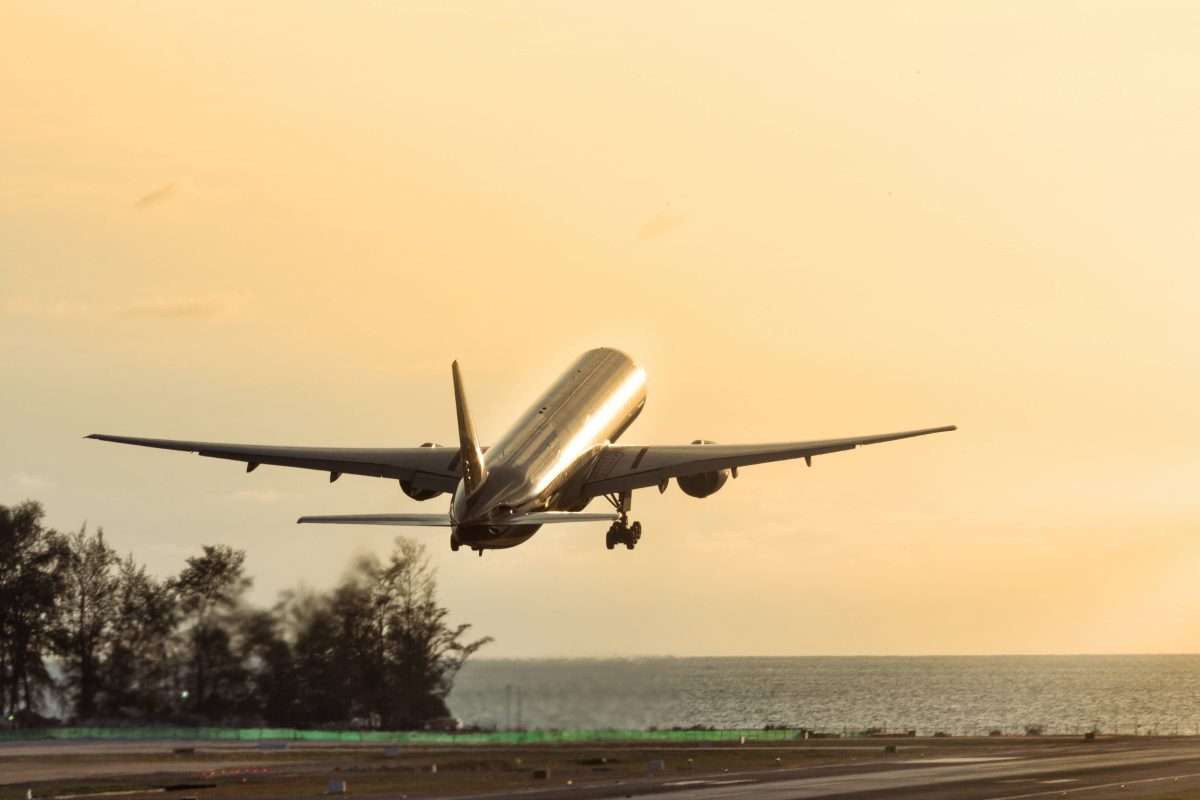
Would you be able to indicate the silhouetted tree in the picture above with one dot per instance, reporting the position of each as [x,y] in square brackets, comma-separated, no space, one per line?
[31,582]
[271,692]
[323,674]
[423,653]
[139,675]
[87,610]
[376,649]
[210,589]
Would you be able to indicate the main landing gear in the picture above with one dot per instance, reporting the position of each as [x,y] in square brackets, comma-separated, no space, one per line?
[621,532]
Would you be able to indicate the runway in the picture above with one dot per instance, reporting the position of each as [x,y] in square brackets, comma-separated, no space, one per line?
[930,769]
[1093,771]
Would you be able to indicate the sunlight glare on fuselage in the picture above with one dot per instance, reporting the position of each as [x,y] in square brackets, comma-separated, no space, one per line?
[586,437]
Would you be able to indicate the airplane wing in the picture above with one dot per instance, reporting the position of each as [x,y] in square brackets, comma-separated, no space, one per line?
[435,468]
[622,468]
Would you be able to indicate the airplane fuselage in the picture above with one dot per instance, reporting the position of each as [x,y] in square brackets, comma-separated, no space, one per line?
[541,462]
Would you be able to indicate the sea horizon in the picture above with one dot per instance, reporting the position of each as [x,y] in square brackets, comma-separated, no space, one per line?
[953,694]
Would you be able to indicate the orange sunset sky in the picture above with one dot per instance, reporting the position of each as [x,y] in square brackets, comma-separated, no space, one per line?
[279,222]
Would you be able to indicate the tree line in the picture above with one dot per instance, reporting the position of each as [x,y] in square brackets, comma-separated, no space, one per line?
[376,650]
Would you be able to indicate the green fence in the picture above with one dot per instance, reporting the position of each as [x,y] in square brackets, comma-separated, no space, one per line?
[397,737]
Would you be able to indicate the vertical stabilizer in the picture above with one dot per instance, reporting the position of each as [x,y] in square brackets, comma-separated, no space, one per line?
[474,471]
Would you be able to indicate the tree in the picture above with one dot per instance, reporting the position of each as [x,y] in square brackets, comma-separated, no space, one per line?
[210,589]
[31,581]
[87,605]
[139,673]
[422,651]
[325,678]
[378,648]
[271,692]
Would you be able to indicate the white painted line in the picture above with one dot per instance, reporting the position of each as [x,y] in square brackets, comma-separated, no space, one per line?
[1076,789]
[961,760]
[702,782]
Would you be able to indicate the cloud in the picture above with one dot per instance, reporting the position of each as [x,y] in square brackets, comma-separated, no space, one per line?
[660,224]
[157,197]
[217,304]
[24,482]
[206,306]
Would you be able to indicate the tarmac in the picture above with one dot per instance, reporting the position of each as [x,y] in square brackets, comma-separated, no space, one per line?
[1128,767]
[1094,771]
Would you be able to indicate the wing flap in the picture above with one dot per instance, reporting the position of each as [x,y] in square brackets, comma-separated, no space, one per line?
[628,467]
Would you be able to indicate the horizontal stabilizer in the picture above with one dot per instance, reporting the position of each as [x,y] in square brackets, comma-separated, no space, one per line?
[551,517]
[412,520]
[443,520]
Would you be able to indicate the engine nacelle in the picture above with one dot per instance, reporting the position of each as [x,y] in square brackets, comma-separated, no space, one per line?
[705,483]
[420,494]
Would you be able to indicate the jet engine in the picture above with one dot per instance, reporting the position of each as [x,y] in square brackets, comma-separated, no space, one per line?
[420,494]
[705,483]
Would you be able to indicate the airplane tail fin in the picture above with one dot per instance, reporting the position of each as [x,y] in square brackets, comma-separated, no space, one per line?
[473,468]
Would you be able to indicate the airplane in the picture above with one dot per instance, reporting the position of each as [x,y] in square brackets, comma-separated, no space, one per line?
[555,459]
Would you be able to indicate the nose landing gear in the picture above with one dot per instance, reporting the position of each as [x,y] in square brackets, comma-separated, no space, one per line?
[621,532]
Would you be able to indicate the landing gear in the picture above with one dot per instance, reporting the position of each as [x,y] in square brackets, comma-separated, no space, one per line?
[621,532]
[454,543]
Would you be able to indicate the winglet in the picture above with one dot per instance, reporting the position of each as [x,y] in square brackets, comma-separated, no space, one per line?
[473,468]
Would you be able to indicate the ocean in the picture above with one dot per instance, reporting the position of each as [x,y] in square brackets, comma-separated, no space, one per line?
[956,695]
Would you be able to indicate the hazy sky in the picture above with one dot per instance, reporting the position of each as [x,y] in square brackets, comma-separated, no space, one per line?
[279,223]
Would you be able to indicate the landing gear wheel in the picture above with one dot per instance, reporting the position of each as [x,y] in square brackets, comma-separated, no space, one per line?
[623,533]
[454,543]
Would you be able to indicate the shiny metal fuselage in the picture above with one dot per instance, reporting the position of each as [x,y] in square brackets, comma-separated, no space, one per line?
[541,462]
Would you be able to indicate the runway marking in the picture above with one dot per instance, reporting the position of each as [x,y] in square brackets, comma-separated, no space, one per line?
[703,782]
[961,760]
[107,794]
[1061,780]
[1076,789]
